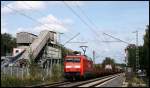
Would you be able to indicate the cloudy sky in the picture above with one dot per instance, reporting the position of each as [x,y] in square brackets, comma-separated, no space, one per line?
[117,18]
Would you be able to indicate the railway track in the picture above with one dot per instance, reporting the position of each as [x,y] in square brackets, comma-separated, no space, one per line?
[91,83]
[57,84]
[88,83]
[98,83]
[51,84]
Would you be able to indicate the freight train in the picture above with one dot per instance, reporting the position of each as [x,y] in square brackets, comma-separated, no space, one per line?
[81,67]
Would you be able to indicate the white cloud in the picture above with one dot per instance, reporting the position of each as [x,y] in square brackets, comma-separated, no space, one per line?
[24,30]
[3,26]
[50,19]
[54,23]
[23,6]
[34,5]
[51,27]
[73,3]
[116,49]
[68,21]
[49,22]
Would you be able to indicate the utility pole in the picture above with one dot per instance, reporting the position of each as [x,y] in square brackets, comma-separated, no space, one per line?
[137,51]
[59,35]
[93,56]
[60,51]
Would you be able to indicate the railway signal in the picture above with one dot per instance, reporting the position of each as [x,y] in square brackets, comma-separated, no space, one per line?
[93,56]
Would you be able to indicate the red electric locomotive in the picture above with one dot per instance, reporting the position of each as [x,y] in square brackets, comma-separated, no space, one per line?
[78,66]
[81,67]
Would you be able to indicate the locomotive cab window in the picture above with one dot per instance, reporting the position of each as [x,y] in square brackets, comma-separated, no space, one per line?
[72,60]
[69,60]
[76,59]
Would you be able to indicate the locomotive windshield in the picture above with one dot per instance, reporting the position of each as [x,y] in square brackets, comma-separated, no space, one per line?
[72,60]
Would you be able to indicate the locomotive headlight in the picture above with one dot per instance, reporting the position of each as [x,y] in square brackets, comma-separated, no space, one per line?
[68,66]
[78,66]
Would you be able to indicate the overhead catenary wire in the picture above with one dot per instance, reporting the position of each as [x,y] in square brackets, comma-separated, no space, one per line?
[116,38]
[79,17]
[29,17]
[91,28]
[43,15]
[82,20]
[91,23]
[71,39]
[59,22]
[88,18]
[119,40]
[96,26]
[25,3]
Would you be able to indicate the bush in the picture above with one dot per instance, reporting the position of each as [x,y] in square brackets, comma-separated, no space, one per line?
[56,73]
[35,77]
[11,81]
[135,81]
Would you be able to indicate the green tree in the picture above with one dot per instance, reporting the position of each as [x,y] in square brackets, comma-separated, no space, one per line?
[33,66]
[7,44]
[108,60]
[143,53]
[141,57]
[121,65]
[66,51]
[132,56]
[146,49]
[77,52]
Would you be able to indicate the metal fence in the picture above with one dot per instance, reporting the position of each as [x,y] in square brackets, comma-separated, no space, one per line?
[24,72]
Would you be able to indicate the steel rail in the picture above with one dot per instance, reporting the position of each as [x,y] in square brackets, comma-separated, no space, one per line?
[79,83]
